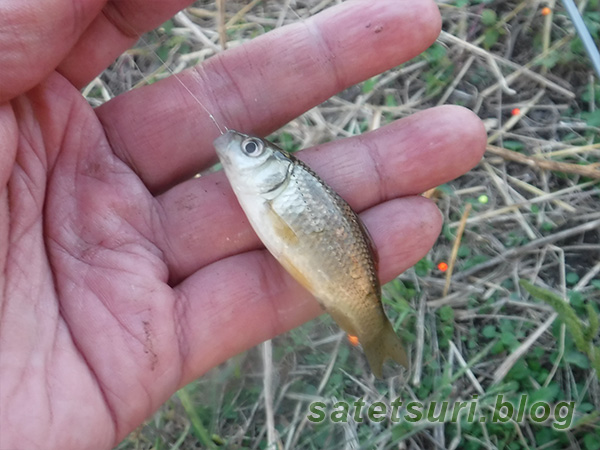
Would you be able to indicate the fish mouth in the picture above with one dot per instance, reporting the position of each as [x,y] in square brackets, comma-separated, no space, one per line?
[222,143]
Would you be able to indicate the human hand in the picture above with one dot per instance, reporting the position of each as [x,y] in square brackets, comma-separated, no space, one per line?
[120,285]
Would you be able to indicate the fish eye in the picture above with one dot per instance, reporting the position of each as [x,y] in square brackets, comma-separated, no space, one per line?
[252,147]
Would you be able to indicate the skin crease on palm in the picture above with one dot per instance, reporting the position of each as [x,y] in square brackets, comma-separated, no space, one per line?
[122,279]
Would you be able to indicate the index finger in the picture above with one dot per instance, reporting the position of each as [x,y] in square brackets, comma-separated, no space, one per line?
[257,87]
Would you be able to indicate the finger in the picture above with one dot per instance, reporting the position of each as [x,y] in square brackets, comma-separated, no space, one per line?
[9,138]
[252,292]
[263,84]
[36,36]
[80,38]
[406,157]
[111,33]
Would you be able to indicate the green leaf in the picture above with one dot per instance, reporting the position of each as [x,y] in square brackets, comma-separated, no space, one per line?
[576,299]
[548,226]
[489,17]
[513,145]
[369,84]
[543,436]
[464,251]
[546,394]
[577,359]
[592,118]
[490,37]
[390,100]
[446,313]
[591,441]
[435,53]
[572,278]
[520,371]
[550,60]
[509,339]
[168,26]
[497,348]
[489,331]
[423,267]
[449,190]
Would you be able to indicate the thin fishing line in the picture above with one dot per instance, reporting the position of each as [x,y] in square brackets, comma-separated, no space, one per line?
[164,64]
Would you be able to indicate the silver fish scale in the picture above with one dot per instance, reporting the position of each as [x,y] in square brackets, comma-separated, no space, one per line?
[335,236]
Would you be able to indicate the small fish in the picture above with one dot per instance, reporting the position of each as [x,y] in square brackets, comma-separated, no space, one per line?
[315,236]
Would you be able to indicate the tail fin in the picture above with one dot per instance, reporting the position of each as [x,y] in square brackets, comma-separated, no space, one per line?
[385,345]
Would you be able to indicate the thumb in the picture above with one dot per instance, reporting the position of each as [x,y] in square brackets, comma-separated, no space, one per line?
[35,35]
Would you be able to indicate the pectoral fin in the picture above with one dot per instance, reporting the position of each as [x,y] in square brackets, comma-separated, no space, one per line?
[280,227]
[285,232]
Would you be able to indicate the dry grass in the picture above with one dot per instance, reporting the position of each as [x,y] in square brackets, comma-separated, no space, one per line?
[530,210]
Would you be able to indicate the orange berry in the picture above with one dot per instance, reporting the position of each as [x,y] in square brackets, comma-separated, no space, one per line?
[546,11]
[442,267]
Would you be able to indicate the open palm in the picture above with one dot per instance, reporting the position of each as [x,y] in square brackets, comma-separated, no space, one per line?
[122,279]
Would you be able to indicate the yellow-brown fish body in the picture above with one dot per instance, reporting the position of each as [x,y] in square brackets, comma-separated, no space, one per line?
[315,236]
